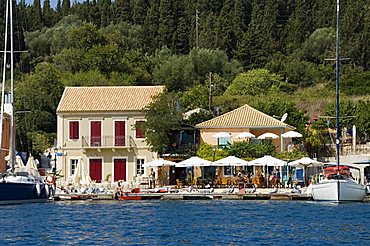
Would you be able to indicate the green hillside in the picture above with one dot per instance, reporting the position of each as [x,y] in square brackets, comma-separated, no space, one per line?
[271,54]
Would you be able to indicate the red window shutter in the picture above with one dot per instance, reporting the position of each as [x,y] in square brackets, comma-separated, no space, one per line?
[139,131]
[74,130]
[119,139]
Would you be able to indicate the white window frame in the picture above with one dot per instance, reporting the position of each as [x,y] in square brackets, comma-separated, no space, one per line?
[73,170]
[141,164]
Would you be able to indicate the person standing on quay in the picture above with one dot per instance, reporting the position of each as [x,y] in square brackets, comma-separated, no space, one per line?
[152,179]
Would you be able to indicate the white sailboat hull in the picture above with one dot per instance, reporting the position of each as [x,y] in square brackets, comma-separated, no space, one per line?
[335,190]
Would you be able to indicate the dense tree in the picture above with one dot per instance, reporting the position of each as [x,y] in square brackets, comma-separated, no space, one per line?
[35,94]
[47,14]
[66,7]
[225,35]
[166,26]
[150,28]
[254,82]
[36,18]
[58,7]
[122,10]
[300,24]
[182,72]
[160,122]
[105,10]
[140,10]
[181,32]
[324,13]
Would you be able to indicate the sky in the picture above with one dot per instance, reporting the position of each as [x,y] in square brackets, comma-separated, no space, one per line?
[53,3]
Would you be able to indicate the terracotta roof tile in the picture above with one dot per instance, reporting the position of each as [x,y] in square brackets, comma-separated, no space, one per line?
[107,98]
[245,116]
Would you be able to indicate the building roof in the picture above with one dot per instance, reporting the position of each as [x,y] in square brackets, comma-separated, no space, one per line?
[245,116]
[107,98]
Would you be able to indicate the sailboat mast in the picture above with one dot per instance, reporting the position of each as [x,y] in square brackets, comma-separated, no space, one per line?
[4,74]
[12,126]
[337,89]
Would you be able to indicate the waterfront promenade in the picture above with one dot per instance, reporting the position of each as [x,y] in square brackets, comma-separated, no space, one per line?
[200,194]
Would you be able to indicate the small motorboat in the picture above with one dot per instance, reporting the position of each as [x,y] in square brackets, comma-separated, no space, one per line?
[128,196]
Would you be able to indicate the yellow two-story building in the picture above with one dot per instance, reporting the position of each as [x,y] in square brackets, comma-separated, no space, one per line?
[99,128]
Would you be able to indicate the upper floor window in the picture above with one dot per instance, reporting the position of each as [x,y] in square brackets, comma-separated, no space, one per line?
[139,132]
[74,129]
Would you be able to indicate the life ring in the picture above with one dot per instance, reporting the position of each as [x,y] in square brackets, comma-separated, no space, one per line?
[50,180]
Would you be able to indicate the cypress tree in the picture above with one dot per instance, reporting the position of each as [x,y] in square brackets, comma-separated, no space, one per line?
[181,34]
[249,51]
[324,13]
[104,10]
[166,23]
[58,8]
[47,14]
[150,28]
[66,7]
[122,10]
[225,36]
[36,16]
[207,33]
[270,29]
[140,10]
[300,24]
[241,17]
[354,28]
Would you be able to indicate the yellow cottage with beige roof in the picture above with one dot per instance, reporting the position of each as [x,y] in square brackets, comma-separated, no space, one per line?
[243,119]
[98,127]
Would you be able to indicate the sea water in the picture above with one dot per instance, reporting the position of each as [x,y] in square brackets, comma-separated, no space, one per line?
[213,222]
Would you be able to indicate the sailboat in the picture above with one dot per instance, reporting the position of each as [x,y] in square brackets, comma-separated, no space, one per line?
[17,185]
[339,187]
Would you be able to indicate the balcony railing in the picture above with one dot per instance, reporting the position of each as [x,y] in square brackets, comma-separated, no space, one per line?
[104,141]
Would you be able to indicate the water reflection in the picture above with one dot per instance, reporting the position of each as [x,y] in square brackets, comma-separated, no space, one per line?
[186,222]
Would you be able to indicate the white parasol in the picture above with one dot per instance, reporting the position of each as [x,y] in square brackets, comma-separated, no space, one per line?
[159,163]
[81,177]
[268,135]
[305,162]
[230,161]
[221,135]
[245,135]
[267,160]
[194,162]
[291,134]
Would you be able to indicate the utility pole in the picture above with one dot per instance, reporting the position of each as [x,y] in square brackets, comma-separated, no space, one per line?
[196,28]
[210,92]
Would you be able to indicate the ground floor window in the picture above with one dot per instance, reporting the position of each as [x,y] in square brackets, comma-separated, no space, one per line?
[73,165]
[229,171]
[139,166]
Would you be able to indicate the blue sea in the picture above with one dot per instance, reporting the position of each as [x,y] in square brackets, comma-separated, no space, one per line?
[213,222]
